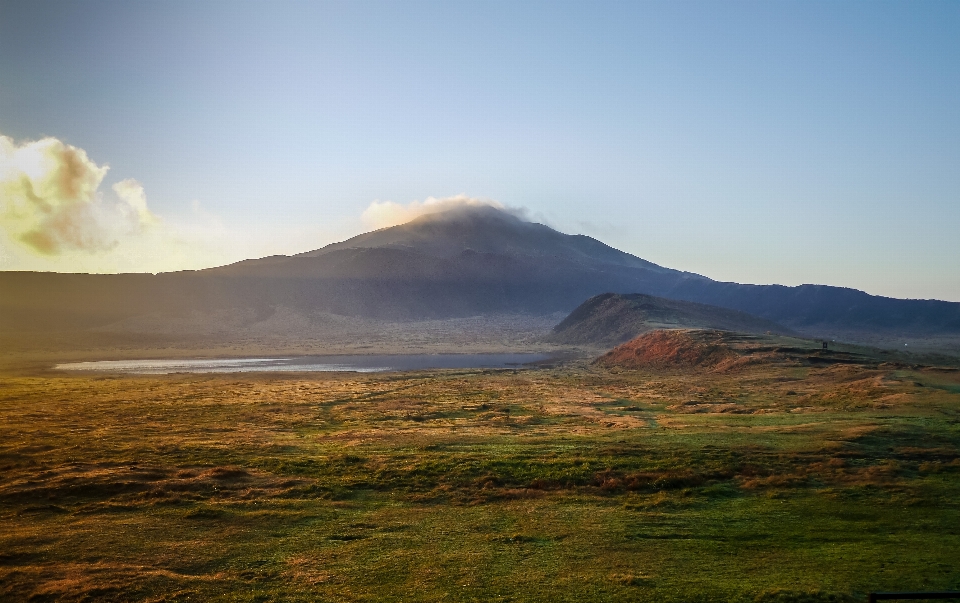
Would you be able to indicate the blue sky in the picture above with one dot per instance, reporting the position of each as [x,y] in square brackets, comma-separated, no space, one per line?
[763,142]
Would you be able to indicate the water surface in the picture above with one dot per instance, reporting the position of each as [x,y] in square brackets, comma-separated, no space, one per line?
[352,362]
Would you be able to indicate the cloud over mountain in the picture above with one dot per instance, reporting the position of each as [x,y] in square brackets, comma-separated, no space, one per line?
[383,214]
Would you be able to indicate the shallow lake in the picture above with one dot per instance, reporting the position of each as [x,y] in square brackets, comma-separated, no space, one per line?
[356,363]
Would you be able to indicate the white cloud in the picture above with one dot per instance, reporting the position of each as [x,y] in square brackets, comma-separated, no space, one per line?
[381,214]
[55,216]
[131,192]
[50,202]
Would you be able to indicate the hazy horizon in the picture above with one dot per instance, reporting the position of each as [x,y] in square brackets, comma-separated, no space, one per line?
[784,143]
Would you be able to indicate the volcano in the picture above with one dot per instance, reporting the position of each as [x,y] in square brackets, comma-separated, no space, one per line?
[465,262]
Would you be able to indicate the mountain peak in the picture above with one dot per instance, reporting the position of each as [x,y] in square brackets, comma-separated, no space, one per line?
[486,229]
[469,213]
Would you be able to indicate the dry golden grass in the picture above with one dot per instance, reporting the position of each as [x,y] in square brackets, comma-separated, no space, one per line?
[775,483]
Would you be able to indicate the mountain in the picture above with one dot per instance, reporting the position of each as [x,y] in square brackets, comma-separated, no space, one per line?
[612,318]
[462,262]
[471,261]
[476,260]
[485,230]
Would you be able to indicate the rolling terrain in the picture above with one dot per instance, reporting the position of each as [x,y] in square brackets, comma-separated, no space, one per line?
[470,262]
[612,318]
[783,480]
[729,352]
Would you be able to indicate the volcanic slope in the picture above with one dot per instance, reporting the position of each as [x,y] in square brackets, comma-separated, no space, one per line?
[461,262]
[467,262]
[613,318]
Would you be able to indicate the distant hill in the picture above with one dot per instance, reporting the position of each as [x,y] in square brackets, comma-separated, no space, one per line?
[468,262]
[612,318]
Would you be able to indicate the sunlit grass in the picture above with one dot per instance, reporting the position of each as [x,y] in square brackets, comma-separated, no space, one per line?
[780,484]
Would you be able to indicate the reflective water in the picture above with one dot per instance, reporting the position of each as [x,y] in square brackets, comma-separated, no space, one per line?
[356,363]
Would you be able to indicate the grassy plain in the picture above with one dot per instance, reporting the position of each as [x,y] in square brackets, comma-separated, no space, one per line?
[773,483]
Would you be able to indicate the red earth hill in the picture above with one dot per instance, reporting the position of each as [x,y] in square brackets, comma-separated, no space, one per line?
[671,349]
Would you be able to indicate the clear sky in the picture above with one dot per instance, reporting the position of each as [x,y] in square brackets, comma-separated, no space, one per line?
[759,142]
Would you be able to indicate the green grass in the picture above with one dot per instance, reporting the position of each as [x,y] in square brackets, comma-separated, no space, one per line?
[553,485]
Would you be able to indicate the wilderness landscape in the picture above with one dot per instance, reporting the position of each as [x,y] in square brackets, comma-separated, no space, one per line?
[479,301]
[795,475]
[472,277]
[712,455]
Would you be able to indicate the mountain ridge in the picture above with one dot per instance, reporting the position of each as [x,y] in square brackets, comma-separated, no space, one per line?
[467,262]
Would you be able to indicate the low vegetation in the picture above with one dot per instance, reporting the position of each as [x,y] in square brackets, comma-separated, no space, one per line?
[781,481]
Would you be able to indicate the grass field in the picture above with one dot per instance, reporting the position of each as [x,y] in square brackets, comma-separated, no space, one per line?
[774,483]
